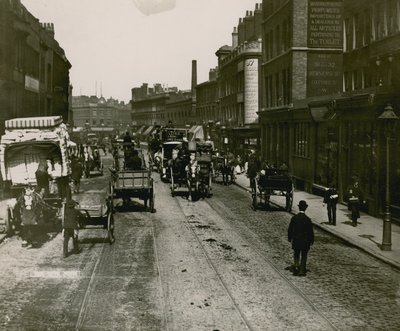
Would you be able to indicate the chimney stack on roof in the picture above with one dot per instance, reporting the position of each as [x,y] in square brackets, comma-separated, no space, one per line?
[194,79]
[48,27]
[235,37]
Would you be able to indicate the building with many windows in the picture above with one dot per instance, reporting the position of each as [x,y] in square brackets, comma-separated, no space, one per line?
[238,81]
[158,105]
[329,70]
[34,71]
[100,114]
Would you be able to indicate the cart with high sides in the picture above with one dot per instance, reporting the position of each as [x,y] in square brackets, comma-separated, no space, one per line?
[127,184]
[26,143]
[98,213]
[273,182]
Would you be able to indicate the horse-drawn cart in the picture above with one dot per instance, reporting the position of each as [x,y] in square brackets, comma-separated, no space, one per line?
[29,145]
[272,182]
[127,184]
[92,165]
[98,214]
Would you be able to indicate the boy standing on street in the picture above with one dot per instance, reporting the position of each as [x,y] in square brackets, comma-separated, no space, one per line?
[70,227]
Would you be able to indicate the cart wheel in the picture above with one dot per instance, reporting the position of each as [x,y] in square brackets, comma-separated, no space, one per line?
[110,228]
[152,202]
[289,200]
[172,184]
[9,223]
[254,203]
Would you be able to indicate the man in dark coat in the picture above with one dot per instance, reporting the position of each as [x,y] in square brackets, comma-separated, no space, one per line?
[301,235]
[76,173]
[136,161]
[355,199]
[71,226]
[43,177]
[330,199]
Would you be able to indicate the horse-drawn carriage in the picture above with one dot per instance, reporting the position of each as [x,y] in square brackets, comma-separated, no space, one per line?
[193,172]
[272,182]
[127,184]
[28,146]
[130,178]
[224,167]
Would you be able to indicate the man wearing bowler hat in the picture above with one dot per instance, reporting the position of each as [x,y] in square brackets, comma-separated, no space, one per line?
[301,235]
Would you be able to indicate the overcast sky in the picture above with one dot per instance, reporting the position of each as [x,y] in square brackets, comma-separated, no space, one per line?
[114,42]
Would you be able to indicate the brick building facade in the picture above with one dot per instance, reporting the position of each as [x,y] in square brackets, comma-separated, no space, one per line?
[239,85]
[100,114]
[341,63]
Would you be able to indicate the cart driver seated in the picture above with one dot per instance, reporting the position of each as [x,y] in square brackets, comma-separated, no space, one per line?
[96,158]
[193,167]
[132,160]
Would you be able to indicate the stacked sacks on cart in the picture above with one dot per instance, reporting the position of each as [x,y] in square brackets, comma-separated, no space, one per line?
[23,159]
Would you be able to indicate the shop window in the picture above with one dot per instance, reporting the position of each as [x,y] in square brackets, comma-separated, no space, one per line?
[301,143]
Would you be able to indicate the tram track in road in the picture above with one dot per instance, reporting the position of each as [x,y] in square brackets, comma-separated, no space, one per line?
[214,268]
[220,208]
[86,298]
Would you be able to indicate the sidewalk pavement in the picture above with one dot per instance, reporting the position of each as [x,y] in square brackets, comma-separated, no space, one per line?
[366,236]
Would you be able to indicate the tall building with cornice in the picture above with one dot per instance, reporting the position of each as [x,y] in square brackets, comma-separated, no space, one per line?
[34,71]
[239,85]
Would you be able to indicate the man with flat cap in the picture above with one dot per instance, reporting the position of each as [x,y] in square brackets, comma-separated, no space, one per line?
[301,235]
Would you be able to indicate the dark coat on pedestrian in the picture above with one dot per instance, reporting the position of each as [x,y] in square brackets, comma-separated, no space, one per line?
[331,196]
[76,170]
[301,232]
[72,217]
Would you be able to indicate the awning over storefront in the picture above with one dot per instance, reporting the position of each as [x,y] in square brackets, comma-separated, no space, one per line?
[101,129]
[141,129]
[196,132]
[148,131]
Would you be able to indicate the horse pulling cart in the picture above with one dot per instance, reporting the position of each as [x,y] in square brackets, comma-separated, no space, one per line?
[273,182]
[92,165]
[195,174]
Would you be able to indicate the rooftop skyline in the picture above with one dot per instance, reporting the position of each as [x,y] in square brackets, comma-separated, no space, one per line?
[121,44]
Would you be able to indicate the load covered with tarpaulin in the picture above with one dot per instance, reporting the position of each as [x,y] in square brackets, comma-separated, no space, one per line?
[28,141]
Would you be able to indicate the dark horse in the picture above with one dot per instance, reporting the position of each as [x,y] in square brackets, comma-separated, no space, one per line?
[227,170]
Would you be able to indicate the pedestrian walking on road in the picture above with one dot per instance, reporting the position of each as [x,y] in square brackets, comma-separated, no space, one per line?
[70,227]
[330,199]
[76,173]
[301,235]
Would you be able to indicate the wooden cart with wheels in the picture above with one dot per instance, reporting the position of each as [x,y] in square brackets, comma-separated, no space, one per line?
[32,146]
[101,216]
[274,182]
[129,184]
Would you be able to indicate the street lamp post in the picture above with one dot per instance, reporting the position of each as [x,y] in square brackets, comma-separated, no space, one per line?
[389,117]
